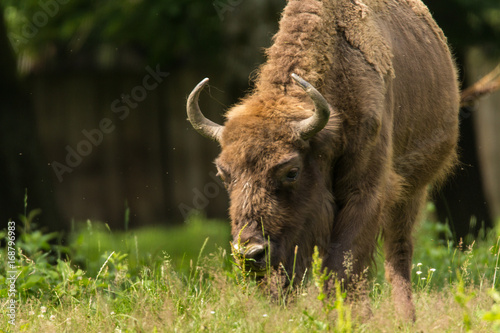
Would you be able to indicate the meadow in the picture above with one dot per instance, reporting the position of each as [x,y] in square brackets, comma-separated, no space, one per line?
[184,279]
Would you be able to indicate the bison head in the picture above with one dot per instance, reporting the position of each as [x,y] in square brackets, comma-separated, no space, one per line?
[275,162]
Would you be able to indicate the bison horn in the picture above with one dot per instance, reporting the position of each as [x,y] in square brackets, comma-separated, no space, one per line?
[312,125]
[202,125]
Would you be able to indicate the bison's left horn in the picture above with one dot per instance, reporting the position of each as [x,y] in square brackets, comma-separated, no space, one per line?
[203,125]
[312,125]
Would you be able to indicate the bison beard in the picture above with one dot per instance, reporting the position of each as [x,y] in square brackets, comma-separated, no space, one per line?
[346,153]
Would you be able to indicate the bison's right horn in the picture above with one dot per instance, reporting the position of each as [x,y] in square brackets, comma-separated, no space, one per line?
[202,125]
[312,125]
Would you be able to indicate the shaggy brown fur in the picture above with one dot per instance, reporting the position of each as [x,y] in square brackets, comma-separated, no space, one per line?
[385,68]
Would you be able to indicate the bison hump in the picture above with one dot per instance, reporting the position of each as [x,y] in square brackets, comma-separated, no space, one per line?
[356,19]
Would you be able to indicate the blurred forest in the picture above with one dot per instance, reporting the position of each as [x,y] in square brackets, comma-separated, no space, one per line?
[92,106]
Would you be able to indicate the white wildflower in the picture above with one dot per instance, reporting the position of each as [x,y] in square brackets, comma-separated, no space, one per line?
[419,272]
[43,309]
[432,269]
[52,318]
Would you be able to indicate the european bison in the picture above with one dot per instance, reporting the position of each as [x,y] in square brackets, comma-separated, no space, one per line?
[347,151]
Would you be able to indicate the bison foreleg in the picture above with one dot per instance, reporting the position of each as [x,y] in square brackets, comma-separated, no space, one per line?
[353,242]
[354,236]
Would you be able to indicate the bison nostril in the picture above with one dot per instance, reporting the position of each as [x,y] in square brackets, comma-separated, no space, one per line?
[256,252]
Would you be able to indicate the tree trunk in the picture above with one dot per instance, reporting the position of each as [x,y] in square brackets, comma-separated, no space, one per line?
[487,124]
[21,166]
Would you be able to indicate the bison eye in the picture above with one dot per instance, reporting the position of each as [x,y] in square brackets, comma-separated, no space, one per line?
[292,175]
[223,175]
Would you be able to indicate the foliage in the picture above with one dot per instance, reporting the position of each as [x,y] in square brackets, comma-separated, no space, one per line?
[463,297]
[90,242]
[162,31]
[438,260]
[175,31]
[479,21]
[40,270]
[494,314]
[43,273]
[320,275]
[336,303]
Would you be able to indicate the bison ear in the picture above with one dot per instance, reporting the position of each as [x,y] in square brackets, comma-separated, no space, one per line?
[204,126]
[307,128]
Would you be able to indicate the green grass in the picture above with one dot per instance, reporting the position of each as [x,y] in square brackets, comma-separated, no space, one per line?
[183,280]
[91,242]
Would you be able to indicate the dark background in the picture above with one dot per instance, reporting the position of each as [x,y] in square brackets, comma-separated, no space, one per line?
[90,132]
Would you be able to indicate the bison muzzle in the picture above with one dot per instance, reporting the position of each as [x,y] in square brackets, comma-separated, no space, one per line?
[353,116]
